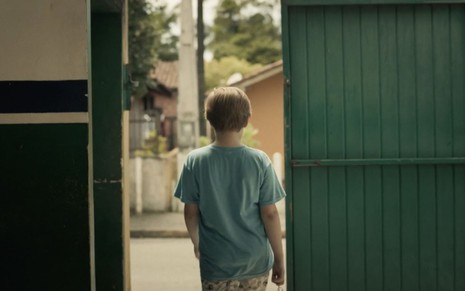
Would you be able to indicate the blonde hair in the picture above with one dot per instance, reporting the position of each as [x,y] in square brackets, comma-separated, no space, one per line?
[227,109]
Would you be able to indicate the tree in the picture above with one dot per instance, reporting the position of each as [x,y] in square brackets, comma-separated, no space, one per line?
[217,72]
[150,37]
[245,29]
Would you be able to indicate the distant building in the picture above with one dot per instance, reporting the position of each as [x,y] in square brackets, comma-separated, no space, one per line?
[156,110]
[265,90]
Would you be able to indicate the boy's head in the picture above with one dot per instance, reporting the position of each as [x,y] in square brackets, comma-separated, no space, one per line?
[227,109]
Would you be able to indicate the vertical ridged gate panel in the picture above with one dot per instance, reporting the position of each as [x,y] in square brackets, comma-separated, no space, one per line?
[377,82]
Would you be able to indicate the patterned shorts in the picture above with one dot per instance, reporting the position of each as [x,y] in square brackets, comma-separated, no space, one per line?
[257,283]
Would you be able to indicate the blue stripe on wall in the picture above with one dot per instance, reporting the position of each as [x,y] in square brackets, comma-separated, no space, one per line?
[43,96]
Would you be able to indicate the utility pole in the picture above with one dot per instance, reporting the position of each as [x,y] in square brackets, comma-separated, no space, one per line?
[188,105]
[188,113]
[200,65]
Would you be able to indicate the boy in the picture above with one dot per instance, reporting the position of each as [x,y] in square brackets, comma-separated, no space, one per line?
[230,191]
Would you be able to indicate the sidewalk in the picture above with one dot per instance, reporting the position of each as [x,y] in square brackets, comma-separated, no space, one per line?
[158,225]
[170,224]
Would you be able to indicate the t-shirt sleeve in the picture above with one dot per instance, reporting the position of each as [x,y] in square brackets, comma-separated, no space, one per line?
[187,187]
[271,190]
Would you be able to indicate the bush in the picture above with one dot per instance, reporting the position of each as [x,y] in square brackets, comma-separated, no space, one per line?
[154,145]
[248,137]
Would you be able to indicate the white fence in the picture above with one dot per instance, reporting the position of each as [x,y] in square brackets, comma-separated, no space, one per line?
[151,183]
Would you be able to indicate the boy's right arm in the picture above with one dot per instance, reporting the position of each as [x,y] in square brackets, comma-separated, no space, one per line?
[270,218]
[191,218]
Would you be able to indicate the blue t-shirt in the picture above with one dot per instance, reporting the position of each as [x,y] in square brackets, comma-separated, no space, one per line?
[230,184]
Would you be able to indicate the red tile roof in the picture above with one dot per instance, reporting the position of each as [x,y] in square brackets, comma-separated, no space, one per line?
[166,73]
[264,72]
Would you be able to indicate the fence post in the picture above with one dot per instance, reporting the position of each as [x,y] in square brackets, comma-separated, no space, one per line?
[278,166]
[138,177]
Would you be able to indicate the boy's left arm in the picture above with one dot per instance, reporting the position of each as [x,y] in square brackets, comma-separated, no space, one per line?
[270,218]
[191,218]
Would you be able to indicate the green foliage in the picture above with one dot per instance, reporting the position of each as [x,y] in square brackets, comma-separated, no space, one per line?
[245,29]
[149,37]
[204,141]
[217,72]
[248,136]
[154,145]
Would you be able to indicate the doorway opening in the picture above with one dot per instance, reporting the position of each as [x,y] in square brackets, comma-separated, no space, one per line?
[160,246]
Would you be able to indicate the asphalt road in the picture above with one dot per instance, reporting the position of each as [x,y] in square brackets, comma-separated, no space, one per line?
[165,264]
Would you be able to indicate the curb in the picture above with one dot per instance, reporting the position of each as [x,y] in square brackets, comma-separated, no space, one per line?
[167,234]
[159,234]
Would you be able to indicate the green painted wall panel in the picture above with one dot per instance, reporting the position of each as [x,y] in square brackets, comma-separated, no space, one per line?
[427,228]
[300,103]
[409,228]
[424,81]
[335,112]
[353,147]
[337,224]
[304,245]
[445,223]
[374,232]
[442,85]
[371,82]
[371,104]
[352,80]
[459,239]
[44,213]
[356,255]
[107,92]
[391,228]
[108,228]
[407,98]
[320,276]
[389,98]
[457,47]
[316,72]
[334,82]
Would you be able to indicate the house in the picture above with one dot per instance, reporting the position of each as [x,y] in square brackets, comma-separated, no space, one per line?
[153,127]
[265,90]
[156,109]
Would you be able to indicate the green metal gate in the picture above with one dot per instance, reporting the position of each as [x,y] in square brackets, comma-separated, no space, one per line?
[375,145]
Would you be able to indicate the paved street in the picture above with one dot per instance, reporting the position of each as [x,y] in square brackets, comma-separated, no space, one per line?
[165,264]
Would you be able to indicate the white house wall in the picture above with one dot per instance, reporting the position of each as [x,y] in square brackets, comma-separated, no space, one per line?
[43,40]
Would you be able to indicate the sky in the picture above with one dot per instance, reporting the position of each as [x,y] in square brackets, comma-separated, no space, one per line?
[209,7]
[208,16]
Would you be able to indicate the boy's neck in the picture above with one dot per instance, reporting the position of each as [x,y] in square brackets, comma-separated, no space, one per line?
[228,139]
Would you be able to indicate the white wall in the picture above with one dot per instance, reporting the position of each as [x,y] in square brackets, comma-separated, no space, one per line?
[158,177]
[43,40]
